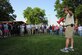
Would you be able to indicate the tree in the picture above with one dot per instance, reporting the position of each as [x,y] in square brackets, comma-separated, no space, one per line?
[78,12]
[34,15]
[75,5]
[28,14]
[58,8]
[6,11]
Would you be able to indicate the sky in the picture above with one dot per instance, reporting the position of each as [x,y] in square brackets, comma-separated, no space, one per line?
[48,5]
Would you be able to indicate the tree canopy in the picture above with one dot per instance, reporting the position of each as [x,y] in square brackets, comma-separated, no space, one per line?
[6,11]
[75,5]
[34,15]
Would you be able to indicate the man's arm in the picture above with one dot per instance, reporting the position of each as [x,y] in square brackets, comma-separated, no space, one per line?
[70,13]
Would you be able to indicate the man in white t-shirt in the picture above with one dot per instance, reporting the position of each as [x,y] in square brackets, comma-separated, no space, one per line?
[29,27]
[80,30]
[22,29]
[69,23]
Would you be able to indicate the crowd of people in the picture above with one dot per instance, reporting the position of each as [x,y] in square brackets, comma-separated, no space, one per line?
[9,29]
[60,30]
[13,29]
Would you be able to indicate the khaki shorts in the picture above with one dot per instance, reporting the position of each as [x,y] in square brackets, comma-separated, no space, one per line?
[69,32]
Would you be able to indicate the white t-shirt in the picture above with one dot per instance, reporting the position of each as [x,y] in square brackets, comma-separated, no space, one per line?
[69,19]
[28,26]
[80,28]
[22,28]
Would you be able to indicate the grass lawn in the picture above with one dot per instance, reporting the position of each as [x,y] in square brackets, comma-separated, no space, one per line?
[38,45]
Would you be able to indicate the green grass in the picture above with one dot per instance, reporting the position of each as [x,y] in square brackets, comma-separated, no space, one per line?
[38,45]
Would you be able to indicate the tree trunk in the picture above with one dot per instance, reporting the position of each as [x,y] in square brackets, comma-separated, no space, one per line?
[76,21]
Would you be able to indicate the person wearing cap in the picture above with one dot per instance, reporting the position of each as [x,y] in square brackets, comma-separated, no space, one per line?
[69,23]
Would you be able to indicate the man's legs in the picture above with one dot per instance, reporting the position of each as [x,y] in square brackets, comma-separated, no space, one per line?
[66,49]
[66,46]
[67,42]
[72,44]
[72,41]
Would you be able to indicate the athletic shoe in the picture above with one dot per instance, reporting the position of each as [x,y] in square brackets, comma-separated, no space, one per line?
[70,49]
[64,50]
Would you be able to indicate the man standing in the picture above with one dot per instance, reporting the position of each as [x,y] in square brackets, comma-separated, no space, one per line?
[80,30]
[69,23]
